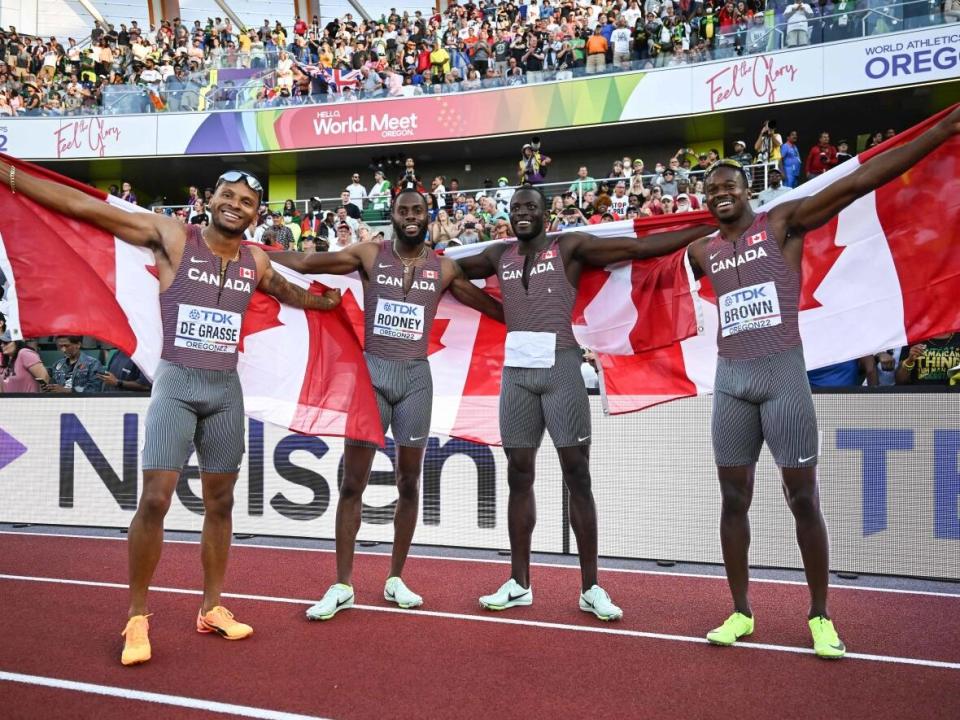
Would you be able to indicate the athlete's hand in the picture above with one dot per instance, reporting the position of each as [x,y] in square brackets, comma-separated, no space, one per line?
[953,121]
[331,298]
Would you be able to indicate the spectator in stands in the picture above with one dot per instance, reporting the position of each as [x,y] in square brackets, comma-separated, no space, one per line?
[127,193]
[22,370]
[351,207]
[533,164]
[822,157]
[596,49]
[443,228]
[344,237]
[356,191]
[583,183]
[933,362]
[75,372]
[668,183]
[379,195]
[775,189]
[797,16]
[843,151]
[282,234]
[845,374]
[792,165]
[122,375]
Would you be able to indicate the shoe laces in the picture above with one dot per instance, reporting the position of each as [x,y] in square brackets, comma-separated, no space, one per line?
[221,614]
[136,632]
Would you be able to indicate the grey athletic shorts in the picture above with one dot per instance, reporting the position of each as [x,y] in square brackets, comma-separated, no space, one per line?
[534,399]
[199,407]
[768,399]
[404,391]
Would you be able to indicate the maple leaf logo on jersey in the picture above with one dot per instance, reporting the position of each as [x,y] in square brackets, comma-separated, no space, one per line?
[548,255]
[758,238]
[246,273]
[430,275]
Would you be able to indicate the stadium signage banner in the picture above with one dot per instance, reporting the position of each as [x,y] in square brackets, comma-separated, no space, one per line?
[905,58]
[889,474]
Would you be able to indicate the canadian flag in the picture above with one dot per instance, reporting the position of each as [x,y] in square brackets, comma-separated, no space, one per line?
[883,274]
[300,370]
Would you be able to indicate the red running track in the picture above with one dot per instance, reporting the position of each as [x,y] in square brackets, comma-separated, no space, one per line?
[366,664]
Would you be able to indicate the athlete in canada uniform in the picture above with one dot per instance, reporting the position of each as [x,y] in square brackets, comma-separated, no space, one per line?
[542,388]
[206,280]
[403,280]
[761,391]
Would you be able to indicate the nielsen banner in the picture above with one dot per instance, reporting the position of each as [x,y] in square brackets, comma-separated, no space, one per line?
[889,474]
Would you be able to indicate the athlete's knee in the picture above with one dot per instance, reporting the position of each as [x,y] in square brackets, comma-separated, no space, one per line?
[735,500]
[351,489]
[408,485]
[154,503]
[804,501]
[218,504]
[520,470]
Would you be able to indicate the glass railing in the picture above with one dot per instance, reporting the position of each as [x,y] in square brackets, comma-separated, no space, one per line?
[770,31]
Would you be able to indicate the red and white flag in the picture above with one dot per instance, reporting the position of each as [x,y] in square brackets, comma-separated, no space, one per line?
[883,274]
[302,370]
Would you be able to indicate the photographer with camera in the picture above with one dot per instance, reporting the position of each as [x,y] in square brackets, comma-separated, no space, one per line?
[821,157]
[768,143]
[533,164]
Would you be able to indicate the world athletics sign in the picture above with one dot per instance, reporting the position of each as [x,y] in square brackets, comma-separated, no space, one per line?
[887,61]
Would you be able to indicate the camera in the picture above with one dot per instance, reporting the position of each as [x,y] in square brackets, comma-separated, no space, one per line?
[469,226]
[535,142]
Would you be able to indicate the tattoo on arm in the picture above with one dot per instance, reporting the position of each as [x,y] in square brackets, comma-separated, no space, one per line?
[289,294]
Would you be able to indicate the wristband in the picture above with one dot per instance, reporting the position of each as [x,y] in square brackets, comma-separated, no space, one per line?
[909,364]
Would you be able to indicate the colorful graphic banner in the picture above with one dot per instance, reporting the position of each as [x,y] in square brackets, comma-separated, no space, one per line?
[884,61]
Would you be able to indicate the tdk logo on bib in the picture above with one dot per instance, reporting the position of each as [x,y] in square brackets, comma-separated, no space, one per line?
[396,319]
[749,308]
[206,329]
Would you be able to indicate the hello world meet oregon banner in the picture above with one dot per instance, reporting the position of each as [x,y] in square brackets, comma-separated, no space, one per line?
[884,61]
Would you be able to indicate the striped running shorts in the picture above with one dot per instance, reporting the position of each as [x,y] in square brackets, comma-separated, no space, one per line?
[202,408]
[766,398]
[555,399]
[404,392]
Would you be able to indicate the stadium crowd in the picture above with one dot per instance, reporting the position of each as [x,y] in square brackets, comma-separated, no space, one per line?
[470,45]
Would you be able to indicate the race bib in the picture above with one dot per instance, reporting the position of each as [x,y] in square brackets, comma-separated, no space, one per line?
[530,349]
[749,308]
[398,319]
[207,329]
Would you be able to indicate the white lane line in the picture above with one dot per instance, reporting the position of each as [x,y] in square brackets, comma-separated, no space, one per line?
[500,620]
[151,697]
[628,571]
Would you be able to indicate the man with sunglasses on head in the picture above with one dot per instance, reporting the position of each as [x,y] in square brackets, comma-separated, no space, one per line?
[403,281]
[206,279]
[761,390]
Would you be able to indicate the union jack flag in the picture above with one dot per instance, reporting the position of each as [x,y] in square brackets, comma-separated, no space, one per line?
[336,78]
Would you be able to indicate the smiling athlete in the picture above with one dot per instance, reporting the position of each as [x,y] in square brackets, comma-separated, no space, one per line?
[761,391]
[206,280]
[402,284]
[542,387]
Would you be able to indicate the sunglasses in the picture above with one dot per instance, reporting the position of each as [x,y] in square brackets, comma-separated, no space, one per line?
[232,176]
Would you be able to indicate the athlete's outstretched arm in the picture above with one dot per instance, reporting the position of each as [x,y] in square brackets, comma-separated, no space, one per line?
[273,283]
[137,228]
[809,213]
[340,262]
[472,296]
[478,266]
[592,250]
